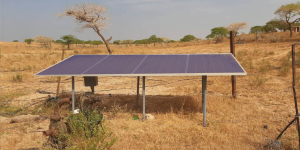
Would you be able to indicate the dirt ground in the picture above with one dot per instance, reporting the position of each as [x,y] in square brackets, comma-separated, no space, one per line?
[263,107]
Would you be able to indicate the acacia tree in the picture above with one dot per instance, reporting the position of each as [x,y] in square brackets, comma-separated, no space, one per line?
[43,40]
[28,41]
[68,39]
[218,33]
[235,27]
[188,38]
[90,16]
[290,14]
[257,29]
[96,43]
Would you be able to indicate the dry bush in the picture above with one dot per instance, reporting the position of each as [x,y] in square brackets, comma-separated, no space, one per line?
[259,80]
[265,67]
[285,67]
[273,38]
[219,39]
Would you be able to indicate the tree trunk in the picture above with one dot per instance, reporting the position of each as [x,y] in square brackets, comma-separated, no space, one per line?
[68,46]
[106,43]
[291,30]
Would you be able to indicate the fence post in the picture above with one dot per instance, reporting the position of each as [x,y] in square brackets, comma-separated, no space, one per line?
[294,90]
[232,51]
[59,78]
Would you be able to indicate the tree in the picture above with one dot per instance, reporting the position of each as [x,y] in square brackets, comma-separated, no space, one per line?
[126,42]
[188,38]
[276,25]
[218,32]
[28,41]
[143,41]
[59,41]
[97,43]
[258,29]
[43,40]
[15,40]
[235,27]
[88,42]
[68,39]
[90,16]
[153,39]
[288,13]
[117,42]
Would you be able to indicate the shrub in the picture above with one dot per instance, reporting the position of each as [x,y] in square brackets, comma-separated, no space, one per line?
[259,80]
[17,78]
[273,38]
[88,131]
[285,67]
[265,67]
[219,39]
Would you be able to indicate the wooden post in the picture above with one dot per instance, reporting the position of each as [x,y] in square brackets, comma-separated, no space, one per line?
[294,91]
[58,80]
[232,51]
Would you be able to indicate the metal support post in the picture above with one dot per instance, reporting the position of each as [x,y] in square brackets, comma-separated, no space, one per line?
[73,95]
[137,92]
[144,98]
[204,83]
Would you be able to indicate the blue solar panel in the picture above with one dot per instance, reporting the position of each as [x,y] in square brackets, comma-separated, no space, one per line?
[146,65]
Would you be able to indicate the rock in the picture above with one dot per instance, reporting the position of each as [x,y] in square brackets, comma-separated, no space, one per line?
[149,117]
[4,120]
[24,118]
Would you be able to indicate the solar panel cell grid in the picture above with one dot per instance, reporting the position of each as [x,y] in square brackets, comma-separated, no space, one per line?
[130,65]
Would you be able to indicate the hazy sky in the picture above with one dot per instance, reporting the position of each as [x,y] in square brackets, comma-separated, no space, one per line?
[133,19]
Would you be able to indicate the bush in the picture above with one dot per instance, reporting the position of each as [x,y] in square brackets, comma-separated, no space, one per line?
[17,78]
[265,67]
[285,67]
[219,39]
[88,131]
[273,38]
[259,80]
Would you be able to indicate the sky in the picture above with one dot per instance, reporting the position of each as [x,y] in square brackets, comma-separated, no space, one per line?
[133,19]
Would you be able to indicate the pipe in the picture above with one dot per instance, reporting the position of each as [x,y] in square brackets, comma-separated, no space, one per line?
[50,132]
[56,117]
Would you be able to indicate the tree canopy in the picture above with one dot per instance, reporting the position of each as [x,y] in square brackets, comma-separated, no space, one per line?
[90,15]
[218,32]
[154,39]
[68,39]
[235,27]
[290,14]
[15,40]
[188,38]
[28,41]
[117,42]
[258,29]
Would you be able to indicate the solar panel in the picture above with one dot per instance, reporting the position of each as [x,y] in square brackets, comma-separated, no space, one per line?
[146,65]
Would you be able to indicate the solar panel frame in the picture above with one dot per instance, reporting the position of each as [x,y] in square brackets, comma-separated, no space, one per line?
[134,73]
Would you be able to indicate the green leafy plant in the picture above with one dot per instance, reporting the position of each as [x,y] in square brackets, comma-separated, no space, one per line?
[88,131]
[17,78]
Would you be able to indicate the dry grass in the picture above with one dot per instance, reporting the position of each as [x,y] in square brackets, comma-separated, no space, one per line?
[176,104]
